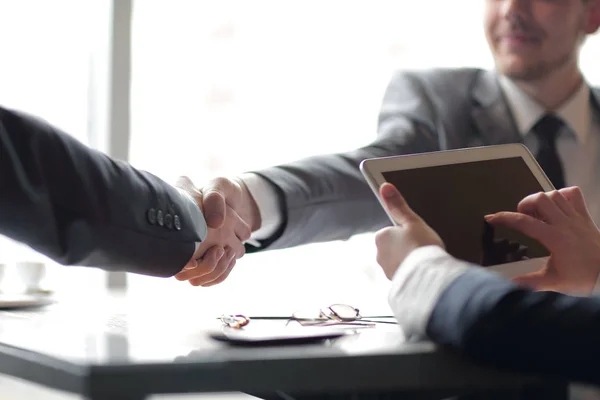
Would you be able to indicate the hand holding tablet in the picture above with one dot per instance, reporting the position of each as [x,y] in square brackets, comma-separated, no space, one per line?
[454,190]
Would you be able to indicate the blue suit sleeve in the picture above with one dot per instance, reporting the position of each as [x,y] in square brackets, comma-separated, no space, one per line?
[494,321]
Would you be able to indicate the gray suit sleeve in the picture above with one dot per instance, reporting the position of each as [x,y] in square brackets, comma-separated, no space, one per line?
[79,207]
[326,198]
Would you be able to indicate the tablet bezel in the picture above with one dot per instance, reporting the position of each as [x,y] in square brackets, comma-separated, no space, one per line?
[374,168]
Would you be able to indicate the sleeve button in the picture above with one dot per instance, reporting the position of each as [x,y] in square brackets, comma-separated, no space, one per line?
[152,216]
[169,221]
[160,218]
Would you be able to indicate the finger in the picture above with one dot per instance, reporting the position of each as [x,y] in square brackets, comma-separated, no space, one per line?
[239,249]
[214,208]
[223,276]
[396,205]
[204,266]
[193,263]
[384,241]
[538,205]
[220,269]
[217,194]
[561,202]
[574,196]
[526,224]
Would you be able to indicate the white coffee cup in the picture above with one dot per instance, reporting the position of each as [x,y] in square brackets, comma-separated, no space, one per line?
[31,274]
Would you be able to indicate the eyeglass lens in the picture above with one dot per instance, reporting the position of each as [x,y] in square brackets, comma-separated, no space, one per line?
[342,312]
[235,321]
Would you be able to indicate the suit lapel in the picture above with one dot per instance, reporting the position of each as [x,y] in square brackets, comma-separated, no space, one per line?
[491,115]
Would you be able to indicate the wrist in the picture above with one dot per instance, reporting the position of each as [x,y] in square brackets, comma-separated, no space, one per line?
[253,218]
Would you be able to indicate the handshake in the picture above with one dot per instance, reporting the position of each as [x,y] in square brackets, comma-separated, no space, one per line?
[231,215]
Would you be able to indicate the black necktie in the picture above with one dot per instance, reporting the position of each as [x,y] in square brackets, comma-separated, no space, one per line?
[546,130]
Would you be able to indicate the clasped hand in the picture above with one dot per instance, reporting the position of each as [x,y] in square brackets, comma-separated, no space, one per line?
[226,206]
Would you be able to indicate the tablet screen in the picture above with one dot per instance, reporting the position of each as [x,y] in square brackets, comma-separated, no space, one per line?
[454,198]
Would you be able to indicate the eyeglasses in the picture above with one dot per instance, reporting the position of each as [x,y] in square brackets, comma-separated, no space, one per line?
[235,321]
[335,314]
[332,315]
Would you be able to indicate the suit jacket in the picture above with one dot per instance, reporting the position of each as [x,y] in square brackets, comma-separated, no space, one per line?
[326,197]
[80,207]
[495,322]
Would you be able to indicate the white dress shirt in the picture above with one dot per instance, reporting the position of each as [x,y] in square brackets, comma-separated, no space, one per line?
[578,146]
[268,206]
[578,142]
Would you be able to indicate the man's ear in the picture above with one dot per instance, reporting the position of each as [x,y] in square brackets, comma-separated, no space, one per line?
[593,17]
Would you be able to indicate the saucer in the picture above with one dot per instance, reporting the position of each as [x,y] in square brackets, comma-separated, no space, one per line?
[38,292]
[12,301]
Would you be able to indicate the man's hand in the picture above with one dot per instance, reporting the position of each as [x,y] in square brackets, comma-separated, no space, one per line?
[217,254]
[395,243]
[222,192]
[560,221]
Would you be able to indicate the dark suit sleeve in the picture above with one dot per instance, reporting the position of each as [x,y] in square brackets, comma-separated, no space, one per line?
[326,198]
[80,207]
[496,322]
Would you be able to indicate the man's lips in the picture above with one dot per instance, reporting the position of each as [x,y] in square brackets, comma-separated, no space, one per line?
[518,39]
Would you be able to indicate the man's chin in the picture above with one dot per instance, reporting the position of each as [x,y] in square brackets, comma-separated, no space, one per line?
[518,70]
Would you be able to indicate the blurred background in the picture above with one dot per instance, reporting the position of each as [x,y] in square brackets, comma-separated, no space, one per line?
[209,88]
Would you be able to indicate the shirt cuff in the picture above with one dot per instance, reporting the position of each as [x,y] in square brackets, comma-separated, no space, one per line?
[266,200]
[418,284]
[193,206]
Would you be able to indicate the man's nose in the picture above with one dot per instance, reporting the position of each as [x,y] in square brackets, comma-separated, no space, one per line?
[515,8]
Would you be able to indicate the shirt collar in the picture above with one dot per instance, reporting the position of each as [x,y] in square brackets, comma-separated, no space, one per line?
[575,112]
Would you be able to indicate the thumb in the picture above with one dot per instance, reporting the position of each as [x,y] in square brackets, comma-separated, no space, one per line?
[217,194]
[214,209]
[396,205]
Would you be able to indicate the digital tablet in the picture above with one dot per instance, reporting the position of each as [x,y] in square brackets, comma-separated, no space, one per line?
[453,190]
